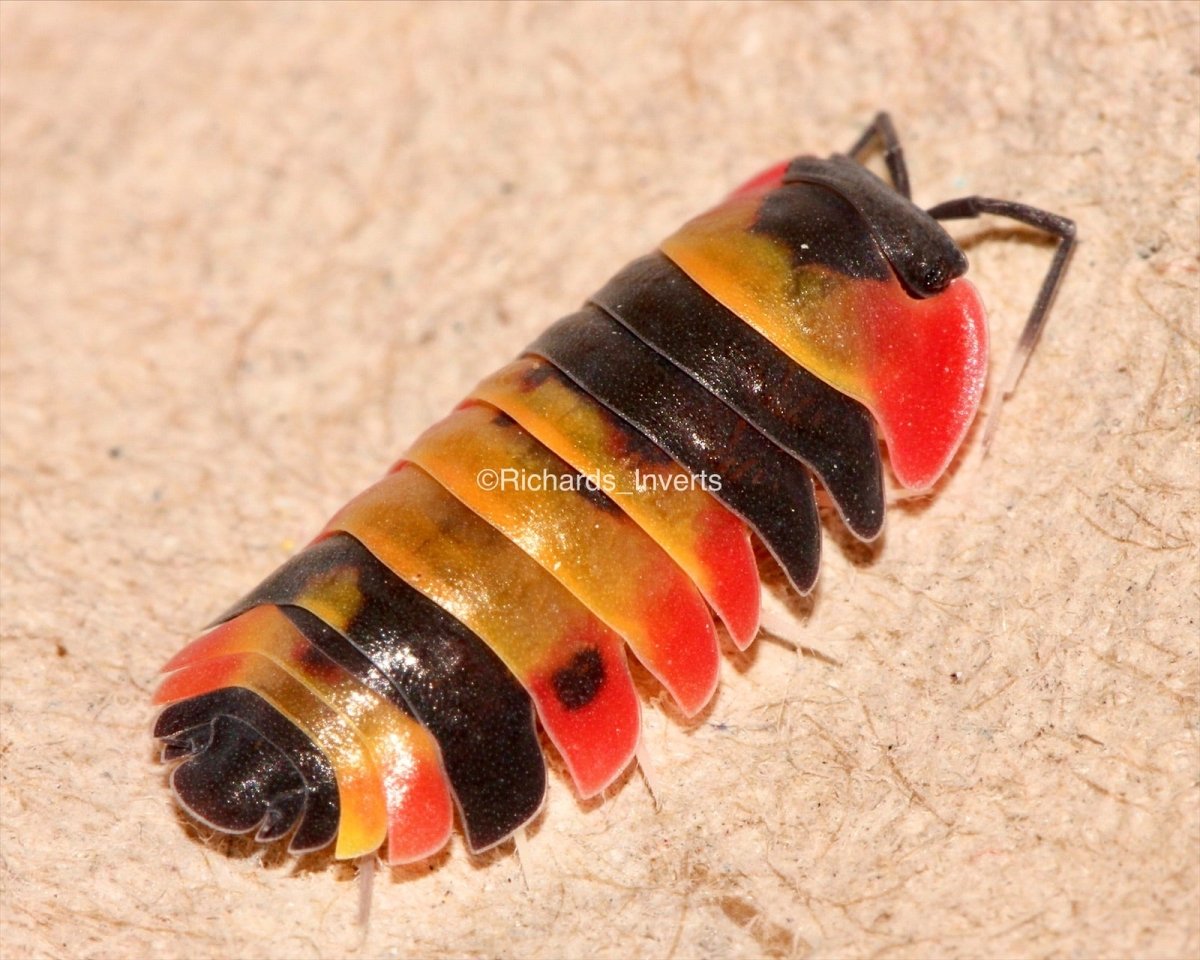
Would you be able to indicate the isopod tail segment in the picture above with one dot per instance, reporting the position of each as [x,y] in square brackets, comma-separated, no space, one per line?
[396,669]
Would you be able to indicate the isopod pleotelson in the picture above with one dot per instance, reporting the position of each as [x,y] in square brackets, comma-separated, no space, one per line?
[598,492]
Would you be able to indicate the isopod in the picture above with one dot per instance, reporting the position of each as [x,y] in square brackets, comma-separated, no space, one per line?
[596,494]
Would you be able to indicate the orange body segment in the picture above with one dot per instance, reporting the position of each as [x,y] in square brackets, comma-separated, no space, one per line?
[709,543]
[582,539]
[570,662]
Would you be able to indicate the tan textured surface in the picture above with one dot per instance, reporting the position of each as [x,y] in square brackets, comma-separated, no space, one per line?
[249,251]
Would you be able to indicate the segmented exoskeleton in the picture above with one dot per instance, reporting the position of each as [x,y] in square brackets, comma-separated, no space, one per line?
[600,491]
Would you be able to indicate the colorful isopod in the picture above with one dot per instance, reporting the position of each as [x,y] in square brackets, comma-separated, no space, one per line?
[596,493]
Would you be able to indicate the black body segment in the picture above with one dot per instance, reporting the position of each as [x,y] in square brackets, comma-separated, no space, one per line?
[245,765]
[833,434]
[923,255]
[819,226]
[451,681]
[769,489]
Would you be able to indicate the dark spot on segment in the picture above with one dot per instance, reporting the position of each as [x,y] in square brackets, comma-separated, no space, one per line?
[345,657]
[502,419]
[577,684]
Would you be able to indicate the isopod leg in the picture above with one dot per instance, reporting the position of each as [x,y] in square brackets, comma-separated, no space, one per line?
[882,130]
[1060,227]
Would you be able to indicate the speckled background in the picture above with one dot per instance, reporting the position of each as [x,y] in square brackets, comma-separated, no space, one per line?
[248,251]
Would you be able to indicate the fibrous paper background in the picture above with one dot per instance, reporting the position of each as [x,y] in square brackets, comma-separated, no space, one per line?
[248,251]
